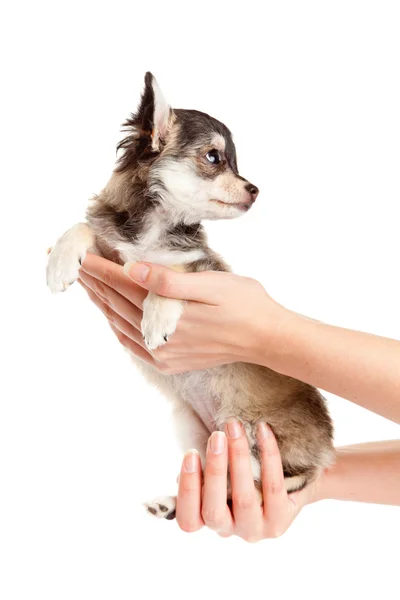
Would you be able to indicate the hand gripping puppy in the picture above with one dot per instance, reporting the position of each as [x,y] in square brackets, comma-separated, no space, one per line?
[176,168]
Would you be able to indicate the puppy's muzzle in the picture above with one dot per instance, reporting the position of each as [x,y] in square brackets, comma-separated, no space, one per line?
[252,192]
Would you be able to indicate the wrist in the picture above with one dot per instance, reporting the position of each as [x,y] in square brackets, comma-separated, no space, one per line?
[331,479]
[320,487]
[278,336]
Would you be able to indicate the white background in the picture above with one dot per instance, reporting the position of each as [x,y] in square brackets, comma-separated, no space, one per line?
[311,92]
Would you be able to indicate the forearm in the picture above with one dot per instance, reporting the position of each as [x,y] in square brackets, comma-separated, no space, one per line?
[363,473]
[357,366]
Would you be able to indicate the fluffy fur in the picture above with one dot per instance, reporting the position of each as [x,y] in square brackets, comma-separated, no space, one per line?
[176,168]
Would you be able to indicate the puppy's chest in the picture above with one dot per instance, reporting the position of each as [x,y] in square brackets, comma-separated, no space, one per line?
[196,389]
[159,254]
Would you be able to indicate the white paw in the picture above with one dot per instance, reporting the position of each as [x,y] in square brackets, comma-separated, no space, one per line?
[160,319]
[162,508]
[62,269]
[66,257]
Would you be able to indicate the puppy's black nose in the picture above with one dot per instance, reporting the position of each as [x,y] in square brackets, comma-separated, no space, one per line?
[253,191]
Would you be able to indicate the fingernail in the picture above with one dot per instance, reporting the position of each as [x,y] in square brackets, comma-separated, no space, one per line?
[217,442]
[264,431]
[234,428]
[191,461]
[137,271]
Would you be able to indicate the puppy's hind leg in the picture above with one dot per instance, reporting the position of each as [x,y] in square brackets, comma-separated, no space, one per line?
[192,434]
[190,430]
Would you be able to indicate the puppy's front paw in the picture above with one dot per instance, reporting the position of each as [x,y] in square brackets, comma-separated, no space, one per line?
[62,270]
[66,257]
[160,319]
[162,508]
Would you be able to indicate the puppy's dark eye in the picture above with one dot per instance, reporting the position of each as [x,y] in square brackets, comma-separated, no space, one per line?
[213,157]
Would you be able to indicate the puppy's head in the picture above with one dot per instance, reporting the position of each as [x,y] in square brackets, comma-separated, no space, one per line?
[188,157]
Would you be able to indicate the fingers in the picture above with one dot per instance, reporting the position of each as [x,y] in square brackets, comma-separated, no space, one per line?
[273,484]
[113,276]
[123,330]
[113,317]
[215,511]
[248,521]
[200,287]
[246,506]
[123,307]
[188,507]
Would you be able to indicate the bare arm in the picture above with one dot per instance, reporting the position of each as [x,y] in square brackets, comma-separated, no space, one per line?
[363,473]
[358,366]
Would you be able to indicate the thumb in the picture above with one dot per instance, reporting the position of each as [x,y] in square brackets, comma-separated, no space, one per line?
[174,284]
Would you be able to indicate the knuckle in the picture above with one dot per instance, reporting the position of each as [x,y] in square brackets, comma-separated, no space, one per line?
[165,365]
[109,313]
[163,284]
[249,282]
[97,288]
[213,518]
[101,291]
[256,285]
[275,486]
[163,368]
[160,355]
[243,501]
[109,278]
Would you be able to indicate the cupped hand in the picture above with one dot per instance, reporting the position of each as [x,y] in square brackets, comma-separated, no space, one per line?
[202,501]
[226,317]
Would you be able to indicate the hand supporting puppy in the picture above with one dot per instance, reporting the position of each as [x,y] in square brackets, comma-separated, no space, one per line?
[199,505]
[226,318]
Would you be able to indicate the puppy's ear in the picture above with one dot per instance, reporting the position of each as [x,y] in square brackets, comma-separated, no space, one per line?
[154,115]
[147,129]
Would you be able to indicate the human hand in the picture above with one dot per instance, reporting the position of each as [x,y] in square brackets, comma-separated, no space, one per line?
[202,503]
[227,318]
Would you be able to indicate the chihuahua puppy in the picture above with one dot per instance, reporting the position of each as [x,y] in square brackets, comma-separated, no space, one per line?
[176,168]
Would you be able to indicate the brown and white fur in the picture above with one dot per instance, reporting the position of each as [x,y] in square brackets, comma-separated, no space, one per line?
[176,168]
